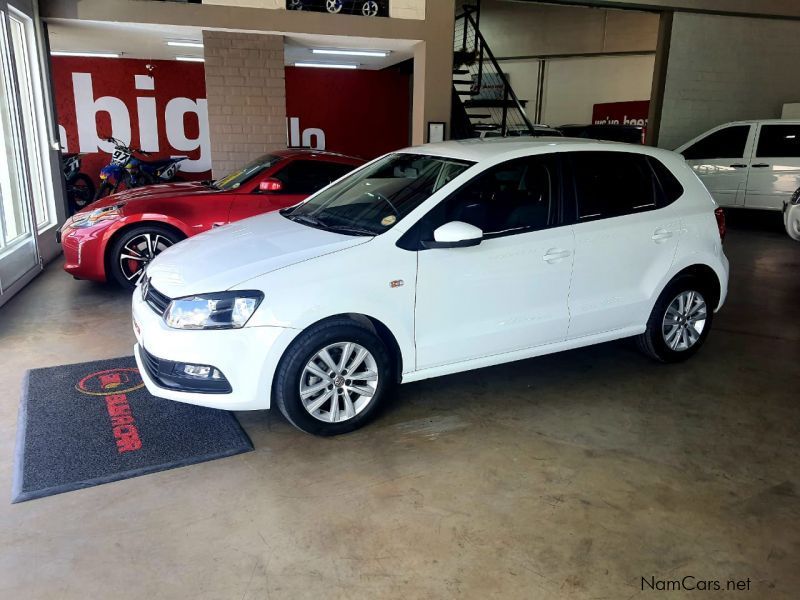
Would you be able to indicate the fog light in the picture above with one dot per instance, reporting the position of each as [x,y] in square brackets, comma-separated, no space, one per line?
[197,371]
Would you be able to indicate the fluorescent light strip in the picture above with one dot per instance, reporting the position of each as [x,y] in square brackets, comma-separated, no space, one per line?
[185,44]
[380,53]
[190,58]
[325,65]
[87,53]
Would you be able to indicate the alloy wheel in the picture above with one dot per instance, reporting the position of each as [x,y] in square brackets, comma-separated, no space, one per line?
[339,382]
[138,253]
[334,6]
[295,4]
[370,8]
[684,320]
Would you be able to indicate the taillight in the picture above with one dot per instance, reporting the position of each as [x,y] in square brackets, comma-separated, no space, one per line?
[720,215]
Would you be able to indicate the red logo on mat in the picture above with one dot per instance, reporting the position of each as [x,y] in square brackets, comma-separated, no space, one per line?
[114,384]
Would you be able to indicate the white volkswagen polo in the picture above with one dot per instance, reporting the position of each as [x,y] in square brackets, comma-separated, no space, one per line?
[428,261]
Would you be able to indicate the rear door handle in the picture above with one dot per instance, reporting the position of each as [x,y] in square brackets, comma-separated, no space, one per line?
[761,166]
[661,235]
[738,166]
[554,255]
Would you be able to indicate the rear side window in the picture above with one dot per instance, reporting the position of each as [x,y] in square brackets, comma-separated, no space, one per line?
[671,188]
[729,142]
[610,184]
[309,176]
[779,140]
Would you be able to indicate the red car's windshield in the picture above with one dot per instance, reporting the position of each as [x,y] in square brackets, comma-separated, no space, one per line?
[233,180]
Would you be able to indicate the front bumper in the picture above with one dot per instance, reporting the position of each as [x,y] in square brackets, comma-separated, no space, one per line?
[84,251]
[248,358]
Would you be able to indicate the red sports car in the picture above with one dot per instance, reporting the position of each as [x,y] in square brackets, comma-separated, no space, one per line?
[114,238]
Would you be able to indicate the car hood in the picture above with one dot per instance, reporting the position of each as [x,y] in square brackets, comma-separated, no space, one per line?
[224,257]
[152,192]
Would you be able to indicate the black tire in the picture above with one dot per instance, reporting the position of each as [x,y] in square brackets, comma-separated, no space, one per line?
[105,189]
[652,342]
[286,385]
[80,192]
[113,258]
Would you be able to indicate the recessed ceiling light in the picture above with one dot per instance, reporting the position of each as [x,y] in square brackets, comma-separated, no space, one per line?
[85,53]
[381,53]
[326,65]
[185,43]
[190,58]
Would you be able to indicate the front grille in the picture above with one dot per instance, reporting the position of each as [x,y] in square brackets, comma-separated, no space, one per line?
[151,363]
[156,300]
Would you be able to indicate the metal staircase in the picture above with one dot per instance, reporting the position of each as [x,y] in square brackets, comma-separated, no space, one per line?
[482,96]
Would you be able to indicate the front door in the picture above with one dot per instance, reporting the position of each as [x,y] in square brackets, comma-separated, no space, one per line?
[508,293]
[775,168]
[721,159]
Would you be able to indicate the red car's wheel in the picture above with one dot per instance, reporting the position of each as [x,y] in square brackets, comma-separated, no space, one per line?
[132,252]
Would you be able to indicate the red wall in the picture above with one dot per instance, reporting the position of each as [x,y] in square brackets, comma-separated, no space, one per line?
[115,77]
[363,113]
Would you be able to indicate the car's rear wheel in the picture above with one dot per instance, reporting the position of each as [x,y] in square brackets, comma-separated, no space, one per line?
[370,8]
[133,251]
[333,378]
[792,222]
[334,6]
[680,321]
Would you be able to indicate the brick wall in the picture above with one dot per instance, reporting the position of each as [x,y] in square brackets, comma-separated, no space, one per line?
[407,9]
[724,69]
[246,95]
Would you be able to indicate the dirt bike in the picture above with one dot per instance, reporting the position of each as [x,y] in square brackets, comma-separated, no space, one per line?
[126,168]
[80,187]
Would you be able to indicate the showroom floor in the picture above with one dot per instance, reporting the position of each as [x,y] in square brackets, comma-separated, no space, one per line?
[569,476]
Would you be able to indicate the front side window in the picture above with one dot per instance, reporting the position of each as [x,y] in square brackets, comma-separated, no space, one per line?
[374,199]
[513,197]
[729,142]
[609,184]
[779,141]
[309,176]
[233,180]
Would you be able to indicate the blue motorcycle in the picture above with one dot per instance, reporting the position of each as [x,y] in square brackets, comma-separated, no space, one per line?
[126,168]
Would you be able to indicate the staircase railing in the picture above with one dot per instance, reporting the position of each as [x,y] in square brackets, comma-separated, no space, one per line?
[473,57]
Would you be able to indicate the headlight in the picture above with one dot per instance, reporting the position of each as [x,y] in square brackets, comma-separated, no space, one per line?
[221,310]
[96,216]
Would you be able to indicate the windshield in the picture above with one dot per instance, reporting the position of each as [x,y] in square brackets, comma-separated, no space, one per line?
[233,180]
[377,197]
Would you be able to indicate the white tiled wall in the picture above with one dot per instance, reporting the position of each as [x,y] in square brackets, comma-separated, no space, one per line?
[725,69]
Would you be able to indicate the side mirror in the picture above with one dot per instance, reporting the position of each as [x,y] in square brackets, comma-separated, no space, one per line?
[455,234]
[270,184]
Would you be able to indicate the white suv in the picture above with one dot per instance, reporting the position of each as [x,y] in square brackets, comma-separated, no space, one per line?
[748,164]
[429,261]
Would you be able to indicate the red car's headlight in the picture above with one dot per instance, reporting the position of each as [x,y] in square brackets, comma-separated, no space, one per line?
[98,215]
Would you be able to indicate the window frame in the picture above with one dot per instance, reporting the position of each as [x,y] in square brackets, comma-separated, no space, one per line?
[423,229]
[571,196]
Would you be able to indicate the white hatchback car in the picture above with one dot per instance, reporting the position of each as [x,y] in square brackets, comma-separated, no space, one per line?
[429,261]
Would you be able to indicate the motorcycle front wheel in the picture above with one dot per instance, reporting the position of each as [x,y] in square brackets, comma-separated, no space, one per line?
[80,192]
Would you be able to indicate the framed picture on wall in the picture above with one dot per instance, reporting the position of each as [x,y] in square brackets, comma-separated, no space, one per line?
[435,132]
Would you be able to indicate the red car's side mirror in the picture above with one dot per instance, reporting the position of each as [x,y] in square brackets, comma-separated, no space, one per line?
[270,184]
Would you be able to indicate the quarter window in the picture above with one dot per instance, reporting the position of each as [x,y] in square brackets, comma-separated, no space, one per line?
[729,142]
[513,197]
[779,141]
[609,184]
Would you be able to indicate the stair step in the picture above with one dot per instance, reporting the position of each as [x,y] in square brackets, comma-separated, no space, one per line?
[460,71]
[485,127]
[463,81]
[478,116]
[467,93]
[484,103]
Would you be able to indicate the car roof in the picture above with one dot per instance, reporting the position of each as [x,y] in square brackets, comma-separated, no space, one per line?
[763,122]
[308,152]
[479,150]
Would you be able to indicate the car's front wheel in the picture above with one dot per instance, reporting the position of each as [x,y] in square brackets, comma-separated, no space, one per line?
[792,221]
[333,378]
[134,249]
[680,321]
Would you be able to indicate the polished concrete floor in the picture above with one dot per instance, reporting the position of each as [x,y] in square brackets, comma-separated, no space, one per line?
[569,476]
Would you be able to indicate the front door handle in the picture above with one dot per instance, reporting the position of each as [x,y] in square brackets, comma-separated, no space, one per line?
[661,235]
[761,166]
[738,166]
[553,255]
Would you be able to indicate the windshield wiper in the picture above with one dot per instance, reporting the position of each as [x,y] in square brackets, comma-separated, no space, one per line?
[307,219]
[351,229]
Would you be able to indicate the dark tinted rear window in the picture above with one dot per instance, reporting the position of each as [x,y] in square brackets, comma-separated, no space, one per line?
[671,188]
[725,143]
[779,140]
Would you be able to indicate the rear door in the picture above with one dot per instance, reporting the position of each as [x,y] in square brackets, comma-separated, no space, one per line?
[721,159]
[775,168]
[299,179]
[625,239]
